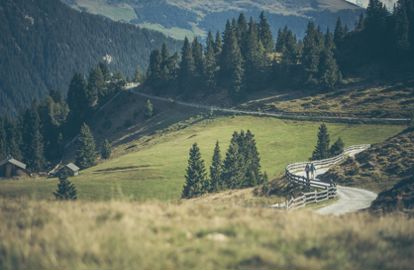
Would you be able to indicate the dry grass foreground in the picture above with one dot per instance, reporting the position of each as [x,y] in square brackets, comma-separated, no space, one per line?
[191,235]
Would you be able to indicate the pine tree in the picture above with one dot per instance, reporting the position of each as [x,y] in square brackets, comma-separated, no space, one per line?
[86,152]
[233,167]
[33,153]
[402,27]
[13,138]
[254,56]
[198,56]
[106,150]
[312,47]
[78,103]
[3,142]
[218,46]
[65,189]
[339,33]
[329,73]
[210,68]
[154,72]
[253,173]
[149,109]
[196,177]
[290,49]
[265,34]
[337,148]
[216,169]
[187,68]
[322,146]
[96,86]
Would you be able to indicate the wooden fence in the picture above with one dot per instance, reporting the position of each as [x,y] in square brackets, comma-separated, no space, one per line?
[323,191]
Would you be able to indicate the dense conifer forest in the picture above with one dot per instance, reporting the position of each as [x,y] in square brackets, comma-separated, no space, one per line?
[244,58]
[43,42]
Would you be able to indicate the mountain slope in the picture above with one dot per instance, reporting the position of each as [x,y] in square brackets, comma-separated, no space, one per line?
[43,42]
[180,17]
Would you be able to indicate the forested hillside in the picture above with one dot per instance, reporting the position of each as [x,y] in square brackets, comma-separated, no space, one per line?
[43,42]
[180,18]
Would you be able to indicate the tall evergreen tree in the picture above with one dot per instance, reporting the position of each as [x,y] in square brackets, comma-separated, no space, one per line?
[196,177]
[155,72]
[253,168]
[86,152]
[254,56]
[187,68]
[233,167]
[13,138]
[402,27]
[312,48]
[210,68]
[216,170]
[33,153]
[3,140]
[322,146]
[218,45]
[198,56]
[289,51]
[329,73]
[106,150]
[339,33]
[242,28]
[78,103]
[265,33]
[96,86]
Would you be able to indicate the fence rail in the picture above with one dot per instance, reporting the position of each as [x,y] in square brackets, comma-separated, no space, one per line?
[323,191]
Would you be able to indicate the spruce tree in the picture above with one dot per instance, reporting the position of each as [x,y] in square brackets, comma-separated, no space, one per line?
[265,34]
[312,47]
[290,49]
[154,72]
[339,33]
[187,68]
[242,29]
[234,164]
[13,133]
[86,151]
[198,56]
[210,68]
[337,148]
[65,189]
[96,86]
[322,146]
[329,73]
[218,46]
[106,150]
[149,109]
[3,142]
[78,103]
[196,177]
[33,151]
[216,169]
[252,158]
[254,56]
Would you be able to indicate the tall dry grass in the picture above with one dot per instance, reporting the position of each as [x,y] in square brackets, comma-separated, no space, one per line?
[192,235]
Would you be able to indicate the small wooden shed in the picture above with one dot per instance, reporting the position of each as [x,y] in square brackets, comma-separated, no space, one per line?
[11,167]
[69,169]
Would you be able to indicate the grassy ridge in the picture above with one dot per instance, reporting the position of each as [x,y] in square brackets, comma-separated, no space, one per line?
[156,169]
[121,235]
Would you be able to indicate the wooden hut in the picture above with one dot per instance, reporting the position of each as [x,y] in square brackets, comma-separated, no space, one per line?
[11,167]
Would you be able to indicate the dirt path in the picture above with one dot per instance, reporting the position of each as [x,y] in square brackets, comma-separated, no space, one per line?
[350,200]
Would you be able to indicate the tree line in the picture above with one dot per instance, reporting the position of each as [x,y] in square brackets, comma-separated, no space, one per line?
[240,169]
[38,135]
[245,58]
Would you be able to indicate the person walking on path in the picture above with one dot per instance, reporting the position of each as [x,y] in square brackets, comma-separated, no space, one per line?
[307,171]
[313,171]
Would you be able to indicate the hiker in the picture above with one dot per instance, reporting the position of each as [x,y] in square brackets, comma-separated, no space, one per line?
[307,171]
[313,170]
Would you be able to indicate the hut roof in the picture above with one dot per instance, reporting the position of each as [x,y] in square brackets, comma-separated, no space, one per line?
[13,161]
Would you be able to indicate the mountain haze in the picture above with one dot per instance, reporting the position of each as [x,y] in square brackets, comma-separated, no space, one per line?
[178,18]
[43,42]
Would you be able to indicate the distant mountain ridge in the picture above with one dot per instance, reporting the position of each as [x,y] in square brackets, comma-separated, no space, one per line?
[179,18]
[43,42]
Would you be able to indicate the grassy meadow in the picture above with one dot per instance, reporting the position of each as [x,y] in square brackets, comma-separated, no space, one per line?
[191,235]
[155,167]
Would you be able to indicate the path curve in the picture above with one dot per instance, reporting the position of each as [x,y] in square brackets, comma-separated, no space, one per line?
[350,199]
